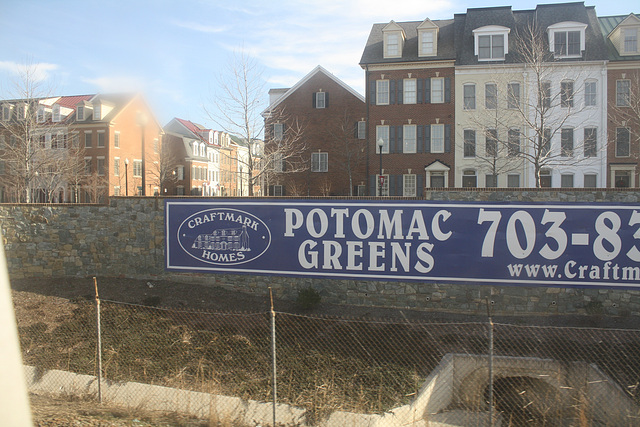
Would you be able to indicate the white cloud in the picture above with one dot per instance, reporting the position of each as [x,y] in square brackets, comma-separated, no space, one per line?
[117,83]
[199,27]
[38,72]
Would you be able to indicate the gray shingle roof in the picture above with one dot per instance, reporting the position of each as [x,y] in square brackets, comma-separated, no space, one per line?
[456,35]
[373,51]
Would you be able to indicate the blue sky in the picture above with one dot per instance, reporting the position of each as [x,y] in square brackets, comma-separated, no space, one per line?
[174,51]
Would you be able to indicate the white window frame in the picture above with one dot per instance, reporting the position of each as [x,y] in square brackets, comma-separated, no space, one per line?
[392,44]
[137,168]
[469,96]
[55,113]
[493,32]
[278,131]
[409,139]
[437,138]
[88,132]
[469,142]
[511,98]
[277,190]
[510,178]
[567,177]
[428,47]
[320,162]
[437,87]
[320,100]
[116,139]
[40,114]
[628,36]
[382,92]
[180,172]
[116,166]
[590,93]
[87,166]
[470,173]
[584,180]
[493,98]
[100,143]
[409,185]
[566,27]
[409,91]
[97,111]
[278,162]
[623,97]
[382,131]
[101,165]
[362,129]
[80,113]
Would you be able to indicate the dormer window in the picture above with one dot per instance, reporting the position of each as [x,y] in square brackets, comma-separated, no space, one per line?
[97,111]
[55,113]
[491,43]
[40,114]
[393,36]
[630,41]
[22,111]
[427,38]
[567,39]
[80,112]
[6,112]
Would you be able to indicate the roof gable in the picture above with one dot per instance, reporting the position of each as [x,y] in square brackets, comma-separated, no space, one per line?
[305,79]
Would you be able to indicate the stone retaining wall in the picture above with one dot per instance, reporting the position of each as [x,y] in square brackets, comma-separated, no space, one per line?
[126,239]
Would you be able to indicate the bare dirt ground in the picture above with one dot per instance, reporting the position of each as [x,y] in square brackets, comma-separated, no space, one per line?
[49,300]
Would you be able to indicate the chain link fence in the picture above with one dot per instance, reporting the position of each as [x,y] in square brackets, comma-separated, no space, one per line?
[335,371]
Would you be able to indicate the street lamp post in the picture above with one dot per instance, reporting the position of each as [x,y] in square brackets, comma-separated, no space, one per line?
[126,177]
[380,178]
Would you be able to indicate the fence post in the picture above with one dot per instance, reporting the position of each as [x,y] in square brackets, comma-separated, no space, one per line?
[99,351]
[490,326]
[273,357]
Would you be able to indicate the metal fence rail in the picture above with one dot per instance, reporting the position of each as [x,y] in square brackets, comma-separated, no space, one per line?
[326,366]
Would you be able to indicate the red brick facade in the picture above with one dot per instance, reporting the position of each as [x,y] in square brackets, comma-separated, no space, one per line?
[328,134]
[422,113]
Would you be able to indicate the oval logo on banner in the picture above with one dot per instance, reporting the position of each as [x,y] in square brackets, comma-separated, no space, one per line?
[224,236]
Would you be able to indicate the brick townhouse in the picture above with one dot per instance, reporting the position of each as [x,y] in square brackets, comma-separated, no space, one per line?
[326,119]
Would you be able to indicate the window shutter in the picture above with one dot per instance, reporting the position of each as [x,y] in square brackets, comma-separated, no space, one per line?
[313,100]
[271,190]
[372,185]
[355,130]
[420,185]
[400,93]
[392,139]
[447,138]
[326,100]
[392,92]
[392,185]
[419,136]
[400,141]
[372,92]
[427,139]
[447,89]
[427,91]
[419,89]
[284,191]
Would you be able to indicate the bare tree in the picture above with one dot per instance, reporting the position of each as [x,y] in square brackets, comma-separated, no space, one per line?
[238,112]
[28,132]
[164,163]
[522,122]
[343,137]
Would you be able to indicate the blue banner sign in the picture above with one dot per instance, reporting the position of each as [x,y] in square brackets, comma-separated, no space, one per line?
[503,243]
